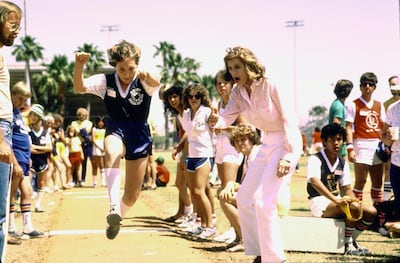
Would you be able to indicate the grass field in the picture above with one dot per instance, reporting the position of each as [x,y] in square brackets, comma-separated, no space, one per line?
[384,249]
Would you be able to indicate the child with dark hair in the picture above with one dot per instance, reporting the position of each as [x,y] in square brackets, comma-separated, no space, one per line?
[337,110]
[330,193]
[172,99]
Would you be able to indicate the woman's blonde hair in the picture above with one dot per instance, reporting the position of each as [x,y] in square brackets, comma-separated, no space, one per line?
[252,66]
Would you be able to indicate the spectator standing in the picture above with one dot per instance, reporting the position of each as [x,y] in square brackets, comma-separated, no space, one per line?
[172,98]
[390,133]
[75,153]
[365,115]
[98,135]
[61,155]
[387,187]
[227,158]
[84,127]
[200,158]
[41,148]
[10,21]
[259,101]
[337,110]
[21,144]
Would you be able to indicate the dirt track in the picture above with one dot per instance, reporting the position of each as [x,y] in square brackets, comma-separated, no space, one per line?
[75,222]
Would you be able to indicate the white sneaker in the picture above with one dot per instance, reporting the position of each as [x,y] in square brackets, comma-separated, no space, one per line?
[226,235]
[195,230]
[186,222]
[207,232]
[180,220]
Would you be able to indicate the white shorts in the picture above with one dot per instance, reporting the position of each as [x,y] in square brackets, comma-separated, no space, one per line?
[365,151]
[225,152]
[318,205]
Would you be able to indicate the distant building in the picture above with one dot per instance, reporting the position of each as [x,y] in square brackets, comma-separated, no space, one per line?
[93,103]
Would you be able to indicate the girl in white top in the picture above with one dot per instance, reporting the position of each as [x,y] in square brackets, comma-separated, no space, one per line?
[227,158]
[261,104]
[201,153]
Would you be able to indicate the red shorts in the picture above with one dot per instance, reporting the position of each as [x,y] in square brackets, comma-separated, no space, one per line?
[75,158]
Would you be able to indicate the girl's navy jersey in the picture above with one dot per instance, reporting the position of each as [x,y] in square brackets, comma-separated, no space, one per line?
[136,105]
[39,139]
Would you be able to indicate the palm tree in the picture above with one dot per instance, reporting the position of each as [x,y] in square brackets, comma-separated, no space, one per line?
[95,62]
[208,82]
[27,51]
[97,58]
[54,82]
[175,70]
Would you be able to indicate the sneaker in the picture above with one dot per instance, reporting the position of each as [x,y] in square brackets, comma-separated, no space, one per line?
[207,232]
[180,220]
[235,247]
[171,219]
[226,235]
[382,230]
[231,240]
[350,250]
[114,224]
[365,251]
[195,230]
[14,234]
[32,234]
[187,222]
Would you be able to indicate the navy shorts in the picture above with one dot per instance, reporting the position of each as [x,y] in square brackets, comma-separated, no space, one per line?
[195,163]
[39,163]
[25,168]
[135,136]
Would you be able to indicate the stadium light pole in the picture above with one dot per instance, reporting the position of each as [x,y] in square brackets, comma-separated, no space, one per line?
[109,29]
[294,24]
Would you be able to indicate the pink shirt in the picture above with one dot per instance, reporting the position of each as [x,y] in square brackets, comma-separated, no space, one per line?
[267,110]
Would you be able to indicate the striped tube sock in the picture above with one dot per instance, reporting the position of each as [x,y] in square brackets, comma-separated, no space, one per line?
[376,195]
[348,232]
[26,217]
[358,193]
[387,190]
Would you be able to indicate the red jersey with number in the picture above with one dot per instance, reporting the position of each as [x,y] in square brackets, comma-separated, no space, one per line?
[367,121]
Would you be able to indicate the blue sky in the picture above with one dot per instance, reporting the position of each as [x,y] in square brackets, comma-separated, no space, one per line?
[339,39]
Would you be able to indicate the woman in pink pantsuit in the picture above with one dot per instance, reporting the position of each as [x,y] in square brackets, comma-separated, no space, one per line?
[268,177]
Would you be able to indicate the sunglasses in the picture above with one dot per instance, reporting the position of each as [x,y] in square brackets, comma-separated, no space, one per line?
[197,96]
[369,83]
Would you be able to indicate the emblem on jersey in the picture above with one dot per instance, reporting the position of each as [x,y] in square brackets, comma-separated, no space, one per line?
[136,96]
[372,120]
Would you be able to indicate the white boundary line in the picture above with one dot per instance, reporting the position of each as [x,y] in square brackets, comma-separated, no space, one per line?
[102,231]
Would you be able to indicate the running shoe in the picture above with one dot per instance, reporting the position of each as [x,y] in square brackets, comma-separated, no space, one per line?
[114,224]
